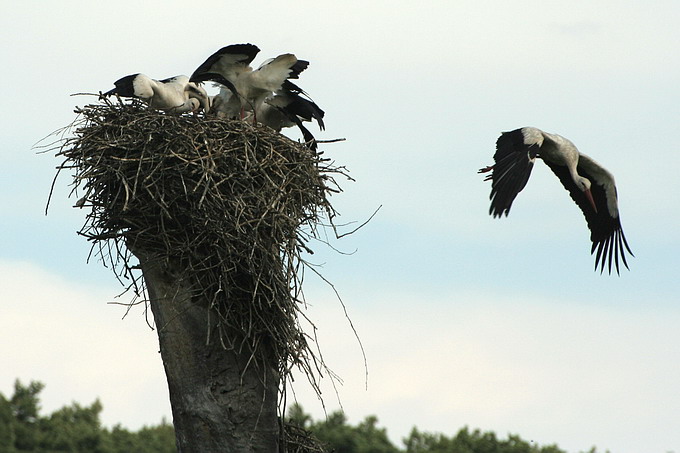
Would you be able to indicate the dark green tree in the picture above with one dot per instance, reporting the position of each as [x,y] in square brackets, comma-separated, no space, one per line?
[7,437]
[297,416]
[422,442]
[343,438]
[25,408]
[153,439]
[77,429]
[466,441]
[336,433]
[157,439]
[120,440]
[74,429]
[371,439]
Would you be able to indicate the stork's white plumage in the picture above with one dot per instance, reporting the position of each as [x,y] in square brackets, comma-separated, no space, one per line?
[225,104]
[176,94]
[230,66]
[590,185]
[267,91]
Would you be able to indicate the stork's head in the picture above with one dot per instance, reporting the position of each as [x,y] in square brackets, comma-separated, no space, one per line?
[194,105]
[584,185]
[195,92]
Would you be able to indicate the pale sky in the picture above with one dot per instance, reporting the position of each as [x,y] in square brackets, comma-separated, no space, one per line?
[502,324]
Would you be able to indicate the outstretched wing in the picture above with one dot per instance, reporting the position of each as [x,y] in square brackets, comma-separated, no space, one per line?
[271,74]
[514,159]
[223,65]
[608,241]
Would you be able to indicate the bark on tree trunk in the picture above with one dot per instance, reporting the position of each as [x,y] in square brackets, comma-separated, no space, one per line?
[220,401]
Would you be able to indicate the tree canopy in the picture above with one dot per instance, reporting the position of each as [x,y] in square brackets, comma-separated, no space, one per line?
[77,429]
[73,428]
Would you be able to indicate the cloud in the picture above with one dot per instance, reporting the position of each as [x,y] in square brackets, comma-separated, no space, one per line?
[66,336]
[564,370]
[421,96]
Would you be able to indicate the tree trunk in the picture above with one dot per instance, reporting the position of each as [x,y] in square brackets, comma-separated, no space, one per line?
[221,401]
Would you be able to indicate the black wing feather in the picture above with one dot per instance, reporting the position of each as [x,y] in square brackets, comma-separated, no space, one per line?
[243,53]
[286,111]
[608,241]
[304,108]
[513,163]
[297,68]
[123,86]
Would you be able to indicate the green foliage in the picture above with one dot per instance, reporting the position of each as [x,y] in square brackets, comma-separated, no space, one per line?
[340,437]
[72,429]
[159,439]
[24,406]
[7,436]
[154,439]
[296,415]
[471,442]
[77,429]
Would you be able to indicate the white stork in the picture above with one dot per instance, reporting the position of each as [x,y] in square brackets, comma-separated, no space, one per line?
[176,94]
[230,66]
[288,108]
[284,109]
[589,184]
[225,104]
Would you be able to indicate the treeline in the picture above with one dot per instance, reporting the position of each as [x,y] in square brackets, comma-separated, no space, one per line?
[73,428]
[78,429]
[367,437]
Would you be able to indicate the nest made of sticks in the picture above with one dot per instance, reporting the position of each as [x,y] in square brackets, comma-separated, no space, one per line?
[231,204]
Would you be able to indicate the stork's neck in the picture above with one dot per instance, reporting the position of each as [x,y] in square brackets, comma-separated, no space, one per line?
[561,151]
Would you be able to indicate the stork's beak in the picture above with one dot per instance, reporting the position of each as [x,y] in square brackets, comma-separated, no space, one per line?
[589,196]
[205,103]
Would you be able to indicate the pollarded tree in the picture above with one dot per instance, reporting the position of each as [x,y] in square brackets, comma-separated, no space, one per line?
[217,213]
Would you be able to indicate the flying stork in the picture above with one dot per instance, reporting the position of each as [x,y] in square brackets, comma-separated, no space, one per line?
[590,185]
[176,94]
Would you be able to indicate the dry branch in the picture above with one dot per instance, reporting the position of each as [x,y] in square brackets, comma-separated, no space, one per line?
[233,205]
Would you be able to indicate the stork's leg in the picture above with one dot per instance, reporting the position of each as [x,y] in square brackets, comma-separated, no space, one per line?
[485,170]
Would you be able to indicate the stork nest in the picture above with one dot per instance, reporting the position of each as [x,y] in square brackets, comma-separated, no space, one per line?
[233,205]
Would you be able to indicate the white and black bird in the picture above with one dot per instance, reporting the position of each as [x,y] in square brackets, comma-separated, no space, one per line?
[225,104]
[291,106]
[590,185]
[226,65]
[284,109]
[176,94]
[230,66]
[266,93]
